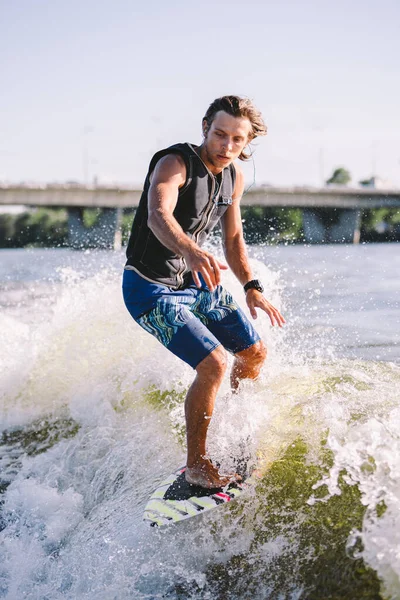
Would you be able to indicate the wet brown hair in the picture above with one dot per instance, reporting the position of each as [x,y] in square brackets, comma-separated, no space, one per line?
[237,107]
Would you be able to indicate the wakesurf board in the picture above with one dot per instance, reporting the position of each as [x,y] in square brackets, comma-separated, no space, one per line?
[176,500]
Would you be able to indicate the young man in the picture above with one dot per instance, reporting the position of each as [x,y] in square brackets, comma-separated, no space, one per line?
[172,286]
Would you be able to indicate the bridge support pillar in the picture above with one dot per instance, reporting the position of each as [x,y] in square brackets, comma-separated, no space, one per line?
[105,233]
[332,225]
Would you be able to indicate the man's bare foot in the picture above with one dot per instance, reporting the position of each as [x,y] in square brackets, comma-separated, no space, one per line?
[206,475]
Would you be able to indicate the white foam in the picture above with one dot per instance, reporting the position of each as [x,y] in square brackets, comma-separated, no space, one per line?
[73,523]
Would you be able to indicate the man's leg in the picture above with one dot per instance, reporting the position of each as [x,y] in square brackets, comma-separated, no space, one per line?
[176,326]
[248,363]
[199,406]
[234,331]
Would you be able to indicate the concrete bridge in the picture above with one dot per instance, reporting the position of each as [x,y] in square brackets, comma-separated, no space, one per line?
[318,224]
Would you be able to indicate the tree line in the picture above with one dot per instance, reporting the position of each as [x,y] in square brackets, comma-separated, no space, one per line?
[48,227]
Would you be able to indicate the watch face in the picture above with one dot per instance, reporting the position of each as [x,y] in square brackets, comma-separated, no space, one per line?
[255,284]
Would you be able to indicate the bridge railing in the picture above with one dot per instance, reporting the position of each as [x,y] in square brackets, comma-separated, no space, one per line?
[347,203]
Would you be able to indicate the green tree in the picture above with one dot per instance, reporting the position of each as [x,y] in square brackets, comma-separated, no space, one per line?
[340,175]
[367,182]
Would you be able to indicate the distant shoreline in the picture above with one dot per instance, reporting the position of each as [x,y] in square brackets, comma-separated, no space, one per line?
[48,227]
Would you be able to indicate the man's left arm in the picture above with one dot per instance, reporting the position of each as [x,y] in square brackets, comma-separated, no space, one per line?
[236,254]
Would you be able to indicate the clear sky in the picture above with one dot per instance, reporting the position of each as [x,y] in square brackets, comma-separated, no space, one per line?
[95,87]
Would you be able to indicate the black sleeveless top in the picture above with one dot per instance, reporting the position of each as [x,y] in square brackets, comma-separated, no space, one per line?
[201,203]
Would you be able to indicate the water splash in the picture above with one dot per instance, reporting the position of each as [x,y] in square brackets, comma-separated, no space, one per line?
[92,420]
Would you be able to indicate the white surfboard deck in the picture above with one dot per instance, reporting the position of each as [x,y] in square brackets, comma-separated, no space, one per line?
[176,500]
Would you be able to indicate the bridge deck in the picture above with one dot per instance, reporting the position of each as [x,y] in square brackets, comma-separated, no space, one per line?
[68,196]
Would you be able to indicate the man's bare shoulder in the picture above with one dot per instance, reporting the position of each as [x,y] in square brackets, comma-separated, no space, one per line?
[239,183]
[170,167]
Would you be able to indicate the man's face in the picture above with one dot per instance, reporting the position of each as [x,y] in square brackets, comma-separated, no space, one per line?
[225,140]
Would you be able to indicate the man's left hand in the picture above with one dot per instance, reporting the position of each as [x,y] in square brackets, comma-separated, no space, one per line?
[255,299]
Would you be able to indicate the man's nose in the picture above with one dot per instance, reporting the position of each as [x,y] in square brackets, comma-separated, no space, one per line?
[228,144]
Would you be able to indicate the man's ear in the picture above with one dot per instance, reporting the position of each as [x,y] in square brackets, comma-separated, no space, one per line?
[205,127]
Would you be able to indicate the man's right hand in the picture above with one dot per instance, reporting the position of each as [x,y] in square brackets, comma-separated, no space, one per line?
[201,262]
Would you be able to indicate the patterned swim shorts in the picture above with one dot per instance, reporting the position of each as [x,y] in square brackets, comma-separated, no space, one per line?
[191,322]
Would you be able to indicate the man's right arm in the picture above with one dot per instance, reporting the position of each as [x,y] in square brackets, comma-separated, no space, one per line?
[167,178]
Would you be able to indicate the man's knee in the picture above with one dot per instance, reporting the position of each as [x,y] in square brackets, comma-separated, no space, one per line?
[260,352]
[255,355]
[214,365]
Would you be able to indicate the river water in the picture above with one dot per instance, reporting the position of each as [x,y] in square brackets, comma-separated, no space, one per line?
[91,421]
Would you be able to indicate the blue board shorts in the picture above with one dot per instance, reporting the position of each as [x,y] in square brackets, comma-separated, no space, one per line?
[191,322]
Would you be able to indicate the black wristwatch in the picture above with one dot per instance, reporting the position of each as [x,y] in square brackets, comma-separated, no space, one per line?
[254,284]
